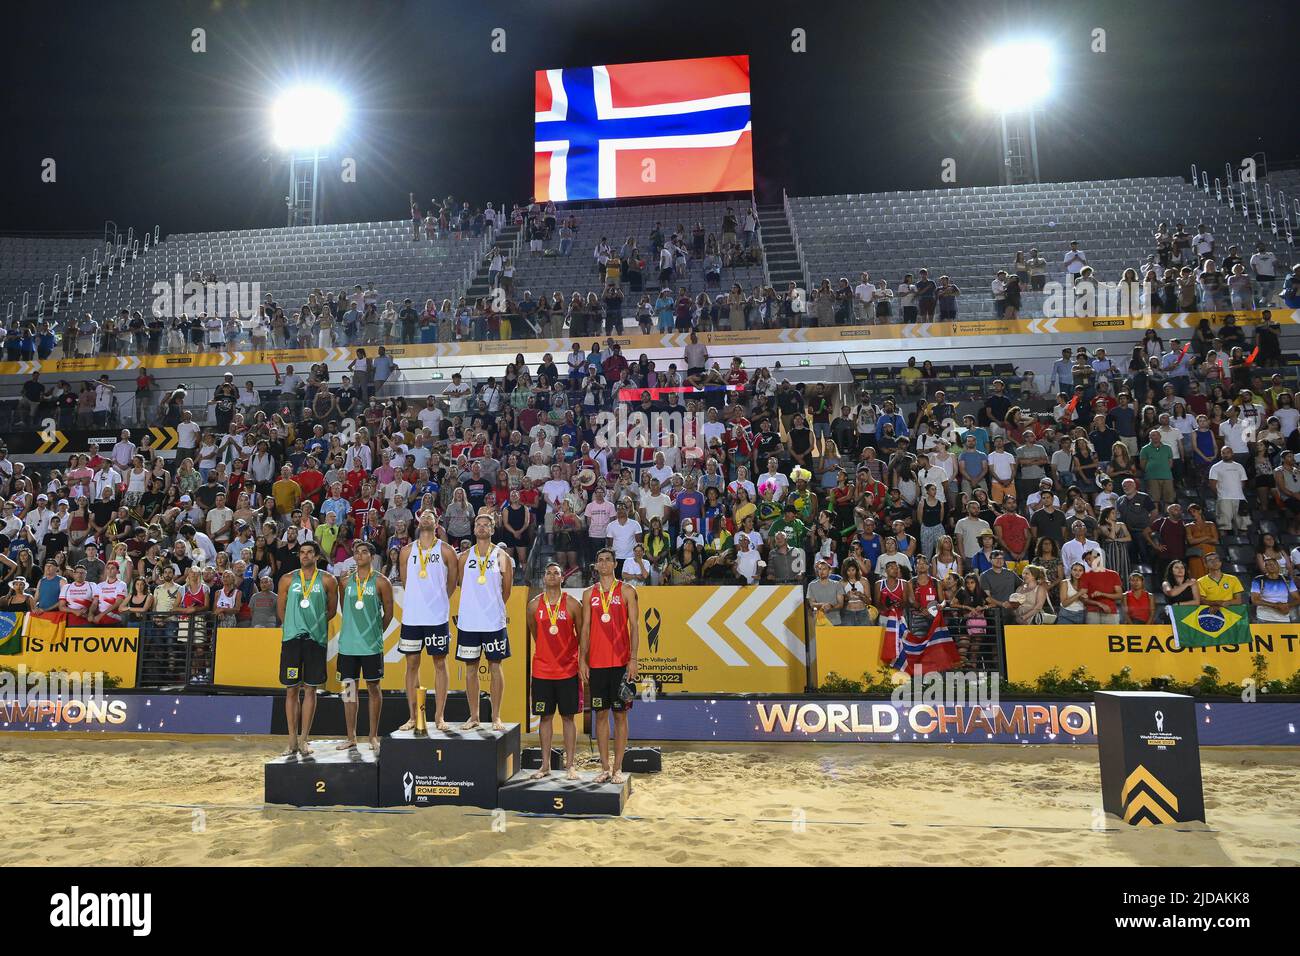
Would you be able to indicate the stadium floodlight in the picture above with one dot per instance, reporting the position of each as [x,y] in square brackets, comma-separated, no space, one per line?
[1014,77]
[306,118]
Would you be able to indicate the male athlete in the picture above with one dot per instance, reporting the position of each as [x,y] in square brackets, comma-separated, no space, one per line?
[307,602]
[553,627]
[607,658]
[367,609]
[486,573]
[430,572]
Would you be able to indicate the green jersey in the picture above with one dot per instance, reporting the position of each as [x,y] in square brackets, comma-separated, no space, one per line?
[310,619]
[362,633]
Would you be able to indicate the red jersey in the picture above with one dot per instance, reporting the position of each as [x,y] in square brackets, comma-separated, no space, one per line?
[927,593]
[610,642]
[555,656]
[362,507]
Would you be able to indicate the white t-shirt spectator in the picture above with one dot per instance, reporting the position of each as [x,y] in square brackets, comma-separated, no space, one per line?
[1264,265]
[458,397]
[747,564]
[187,434]
[1231,478]
[623,536]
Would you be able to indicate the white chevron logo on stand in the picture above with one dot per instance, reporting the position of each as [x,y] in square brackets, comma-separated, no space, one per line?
[775,624]
[738,622]
[699,623]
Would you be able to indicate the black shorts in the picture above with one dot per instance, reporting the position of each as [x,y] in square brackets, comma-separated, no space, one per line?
[302,661]
[434,638]
[471,645]
[368,666]
[603,686]
[550,695]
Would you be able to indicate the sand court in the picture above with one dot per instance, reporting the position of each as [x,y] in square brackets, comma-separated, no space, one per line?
[85,801]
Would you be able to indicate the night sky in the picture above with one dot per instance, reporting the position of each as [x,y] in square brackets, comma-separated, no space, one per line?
[146,132]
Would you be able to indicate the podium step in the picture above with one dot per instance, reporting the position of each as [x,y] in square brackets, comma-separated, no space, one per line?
[329,778]
[447,768]
[557,795]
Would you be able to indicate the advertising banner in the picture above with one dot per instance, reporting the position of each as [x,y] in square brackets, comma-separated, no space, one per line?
[110,651]
[646,343]
[143,714]
[726,639]
[1148,650]
[830,720]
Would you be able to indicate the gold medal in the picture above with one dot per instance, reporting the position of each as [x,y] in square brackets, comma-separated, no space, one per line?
[482,564]
[423,559]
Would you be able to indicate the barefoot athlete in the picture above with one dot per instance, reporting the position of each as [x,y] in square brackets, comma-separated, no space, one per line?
[367,610]
[553,629]
[430,573]
[486,573]
[607,658]
[308,600]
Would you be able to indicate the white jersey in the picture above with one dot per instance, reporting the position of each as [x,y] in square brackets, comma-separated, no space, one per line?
[424,600]
[79,597]
[481,605]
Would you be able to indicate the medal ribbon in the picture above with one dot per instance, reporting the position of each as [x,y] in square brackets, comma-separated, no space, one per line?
[482,563]
[605,598]
[361,585]
[552,613]
[307,586]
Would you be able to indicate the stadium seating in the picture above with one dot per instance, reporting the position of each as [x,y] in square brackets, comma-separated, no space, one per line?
[970,232]
[290,263]
[577,272]
[27,262]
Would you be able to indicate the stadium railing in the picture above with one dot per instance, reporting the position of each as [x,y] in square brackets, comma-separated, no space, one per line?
[176,650]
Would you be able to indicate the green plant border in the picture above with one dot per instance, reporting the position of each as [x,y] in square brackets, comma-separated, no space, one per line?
[1080,682]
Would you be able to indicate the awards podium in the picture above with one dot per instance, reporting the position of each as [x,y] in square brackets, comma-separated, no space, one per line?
[329,777]
[1150,758]
[447,767]
[558,795]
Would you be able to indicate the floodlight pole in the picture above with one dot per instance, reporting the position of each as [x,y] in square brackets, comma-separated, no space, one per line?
[1019,137]
[304,188]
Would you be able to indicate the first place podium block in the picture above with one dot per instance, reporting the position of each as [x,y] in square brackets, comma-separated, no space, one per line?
[558,795]
[328,778]
[1150,758]
[452,767]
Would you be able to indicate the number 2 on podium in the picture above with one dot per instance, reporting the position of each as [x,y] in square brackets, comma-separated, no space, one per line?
[320,786]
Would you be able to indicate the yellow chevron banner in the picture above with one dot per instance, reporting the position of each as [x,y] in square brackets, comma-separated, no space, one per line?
[1154,799]
[724,639]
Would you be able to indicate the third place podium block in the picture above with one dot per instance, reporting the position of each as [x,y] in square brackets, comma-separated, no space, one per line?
[447,767]
[555,794]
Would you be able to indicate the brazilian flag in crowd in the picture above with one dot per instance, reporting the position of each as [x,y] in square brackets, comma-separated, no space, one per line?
[1204,626]
[11,632]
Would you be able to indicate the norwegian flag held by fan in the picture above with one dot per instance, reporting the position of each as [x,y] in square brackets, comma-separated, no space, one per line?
[935,652]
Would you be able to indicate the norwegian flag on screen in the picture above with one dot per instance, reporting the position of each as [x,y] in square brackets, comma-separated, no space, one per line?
[597,126]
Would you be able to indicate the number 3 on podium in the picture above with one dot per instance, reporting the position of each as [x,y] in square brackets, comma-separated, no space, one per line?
[559,803]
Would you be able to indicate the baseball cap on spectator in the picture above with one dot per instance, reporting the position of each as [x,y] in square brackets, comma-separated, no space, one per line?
[186,499]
